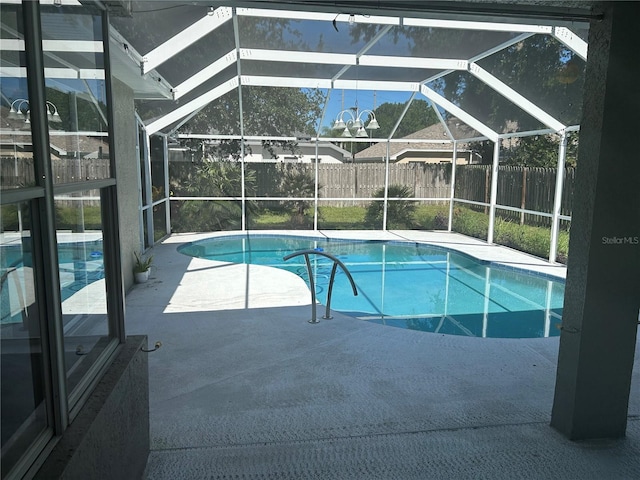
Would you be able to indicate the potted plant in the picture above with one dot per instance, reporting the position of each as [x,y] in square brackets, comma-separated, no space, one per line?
[142,267]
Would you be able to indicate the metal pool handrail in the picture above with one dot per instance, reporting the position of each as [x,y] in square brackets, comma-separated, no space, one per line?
[336,262]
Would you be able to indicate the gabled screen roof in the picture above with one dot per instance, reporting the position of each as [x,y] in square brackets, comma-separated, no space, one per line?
[285,73]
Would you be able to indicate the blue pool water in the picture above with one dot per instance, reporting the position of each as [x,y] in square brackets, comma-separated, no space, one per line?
[81,264]
[409,285]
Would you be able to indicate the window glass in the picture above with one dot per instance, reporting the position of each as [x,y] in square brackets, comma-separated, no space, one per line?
[23,408]
[142,147]
[16,149]
[82,286]
[76,95]
[157,169]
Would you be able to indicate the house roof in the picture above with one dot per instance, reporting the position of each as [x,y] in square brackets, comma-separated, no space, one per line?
[436,131]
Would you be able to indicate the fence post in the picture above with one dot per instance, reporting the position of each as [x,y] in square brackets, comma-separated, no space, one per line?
[486,188]
[524,194]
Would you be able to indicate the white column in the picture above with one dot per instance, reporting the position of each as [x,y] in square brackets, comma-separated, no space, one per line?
[167,201]
[148,200]
[453,183]
[494,190]
[386,188]
[557,201]
[315,194]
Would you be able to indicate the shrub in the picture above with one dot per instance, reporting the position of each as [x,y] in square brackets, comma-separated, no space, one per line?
[441,221]
[297,184]
[212,179]
[468,222]
[400,214]
[526,238]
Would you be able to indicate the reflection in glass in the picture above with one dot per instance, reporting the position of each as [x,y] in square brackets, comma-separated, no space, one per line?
[76,95]
[16,149]
[23,408]
[82,286]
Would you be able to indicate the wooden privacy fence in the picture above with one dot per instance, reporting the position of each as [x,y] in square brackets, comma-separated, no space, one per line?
[530,188]
[19,171]
[527,188]
[359,180]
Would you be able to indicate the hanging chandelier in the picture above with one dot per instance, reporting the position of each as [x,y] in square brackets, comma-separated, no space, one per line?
[20,109]
[355,121]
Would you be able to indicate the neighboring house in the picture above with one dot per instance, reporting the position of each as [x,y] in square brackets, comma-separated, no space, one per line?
[15,141]
[305,152]
[18,145]
[434,149]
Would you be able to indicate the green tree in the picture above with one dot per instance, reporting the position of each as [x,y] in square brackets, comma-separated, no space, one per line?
[419,115]
[532,151]
[267,111]
[540,151]
[540,67]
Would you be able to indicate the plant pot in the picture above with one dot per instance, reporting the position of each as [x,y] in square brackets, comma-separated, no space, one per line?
[141,277]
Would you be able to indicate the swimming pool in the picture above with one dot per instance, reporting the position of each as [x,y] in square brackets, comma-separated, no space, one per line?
[409,285]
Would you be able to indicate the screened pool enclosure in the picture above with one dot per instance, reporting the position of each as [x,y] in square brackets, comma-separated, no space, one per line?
[331,119]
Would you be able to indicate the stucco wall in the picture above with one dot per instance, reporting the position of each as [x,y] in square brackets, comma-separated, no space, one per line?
[127,176]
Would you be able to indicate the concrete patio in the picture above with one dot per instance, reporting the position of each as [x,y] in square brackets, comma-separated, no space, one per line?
[243,387]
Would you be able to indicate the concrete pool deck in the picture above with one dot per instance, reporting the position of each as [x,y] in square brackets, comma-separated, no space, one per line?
[244,387]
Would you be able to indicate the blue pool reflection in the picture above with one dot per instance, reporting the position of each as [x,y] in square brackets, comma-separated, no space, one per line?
[80,264]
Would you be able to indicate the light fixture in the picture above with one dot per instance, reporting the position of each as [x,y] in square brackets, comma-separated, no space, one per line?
[211,11]
[20,109]
[355,121]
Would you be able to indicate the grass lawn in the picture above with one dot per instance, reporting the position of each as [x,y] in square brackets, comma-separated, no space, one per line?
[530,239]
